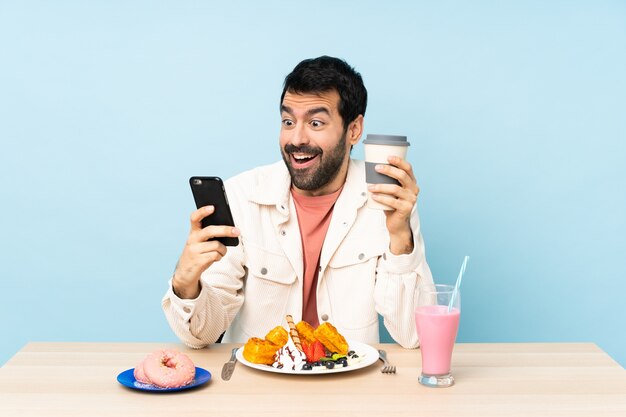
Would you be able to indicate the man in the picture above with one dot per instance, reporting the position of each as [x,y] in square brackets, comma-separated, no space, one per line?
[309,246]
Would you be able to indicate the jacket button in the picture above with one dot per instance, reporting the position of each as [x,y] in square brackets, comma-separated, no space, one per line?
[263,271]
[187,310]
[283,233]
[361,256]
[324,317]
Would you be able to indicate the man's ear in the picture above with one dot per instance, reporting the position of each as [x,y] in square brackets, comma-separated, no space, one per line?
[355,130]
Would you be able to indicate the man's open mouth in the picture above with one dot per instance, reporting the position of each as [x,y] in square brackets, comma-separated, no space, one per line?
[302,160]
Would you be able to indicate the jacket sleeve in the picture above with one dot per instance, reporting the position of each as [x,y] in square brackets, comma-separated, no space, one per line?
[200,322]
[397,280]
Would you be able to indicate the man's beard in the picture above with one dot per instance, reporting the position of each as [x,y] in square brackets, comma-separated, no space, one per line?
[329,165]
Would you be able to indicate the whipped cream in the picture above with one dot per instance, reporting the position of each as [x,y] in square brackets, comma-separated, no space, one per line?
[289,357]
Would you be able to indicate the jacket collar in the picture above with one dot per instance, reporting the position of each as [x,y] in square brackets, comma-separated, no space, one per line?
[272,186]
[355,188]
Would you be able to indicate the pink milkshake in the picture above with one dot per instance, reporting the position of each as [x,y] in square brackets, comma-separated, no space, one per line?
[437,320]
[437,330]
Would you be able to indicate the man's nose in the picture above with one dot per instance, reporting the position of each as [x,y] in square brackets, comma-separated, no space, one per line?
[299,136]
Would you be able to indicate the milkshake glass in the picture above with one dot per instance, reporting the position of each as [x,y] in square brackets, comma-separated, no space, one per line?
[437,326]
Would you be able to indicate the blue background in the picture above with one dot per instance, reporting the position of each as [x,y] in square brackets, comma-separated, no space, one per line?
[515,113]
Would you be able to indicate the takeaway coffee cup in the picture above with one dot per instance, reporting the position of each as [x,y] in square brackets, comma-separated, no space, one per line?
[377,149]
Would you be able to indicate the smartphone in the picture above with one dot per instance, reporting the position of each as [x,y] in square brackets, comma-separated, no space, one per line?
[209,191]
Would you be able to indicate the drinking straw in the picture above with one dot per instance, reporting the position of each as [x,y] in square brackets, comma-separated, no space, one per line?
[458,283]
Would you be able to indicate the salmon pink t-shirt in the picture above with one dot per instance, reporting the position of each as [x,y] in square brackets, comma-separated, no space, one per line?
[314,214]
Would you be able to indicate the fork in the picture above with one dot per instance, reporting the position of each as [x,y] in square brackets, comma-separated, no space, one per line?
[387,367]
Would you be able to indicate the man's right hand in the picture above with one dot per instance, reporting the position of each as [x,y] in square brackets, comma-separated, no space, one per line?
[199,253]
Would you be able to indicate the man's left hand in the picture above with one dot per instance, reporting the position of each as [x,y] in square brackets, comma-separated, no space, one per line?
[401,198]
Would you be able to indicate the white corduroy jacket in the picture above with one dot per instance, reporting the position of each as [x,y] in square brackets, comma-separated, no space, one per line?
[258,282]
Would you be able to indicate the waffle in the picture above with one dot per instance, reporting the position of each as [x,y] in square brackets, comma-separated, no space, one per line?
[278,336]
[306,332]
[331,339]
[260,351]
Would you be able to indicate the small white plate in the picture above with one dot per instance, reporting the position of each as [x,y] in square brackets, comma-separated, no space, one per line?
[367,356]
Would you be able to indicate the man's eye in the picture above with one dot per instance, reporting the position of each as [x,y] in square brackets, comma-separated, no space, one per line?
[316,123]
[287,122]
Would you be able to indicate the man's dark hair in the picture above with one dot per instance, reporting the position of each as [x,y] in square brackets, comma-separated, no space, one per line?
[323,74]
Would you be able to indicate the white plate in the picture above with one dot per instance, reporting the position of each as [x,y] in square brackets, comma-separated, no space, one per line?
[367,356]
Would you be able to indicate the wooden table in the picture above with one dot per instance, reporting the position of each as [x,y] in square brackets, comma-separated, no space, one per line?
[79,379]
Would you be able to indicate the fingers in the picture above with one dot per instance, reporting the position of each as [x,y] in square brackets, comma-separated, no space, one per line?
[400,197]
[196,258]
[199,253]
[393,196]
[198,215]
[399,169]
[211,232]
[200,234]
[212,250]
[396,191]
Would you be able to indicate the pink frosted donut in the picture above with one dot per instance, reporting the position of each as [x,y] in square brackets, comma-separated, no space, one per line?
[169,369]
[140,375]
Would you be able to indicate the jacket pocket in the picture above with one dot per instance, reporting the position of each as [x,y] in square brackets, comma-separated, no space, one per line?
[355,251]
[269,266]
[267,290]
